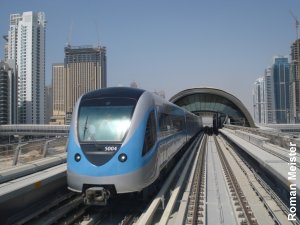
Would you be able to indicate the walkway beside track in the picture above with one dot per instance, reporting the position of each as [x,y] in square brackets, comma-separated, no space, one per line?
[218,199]
[246,181]
[270,162]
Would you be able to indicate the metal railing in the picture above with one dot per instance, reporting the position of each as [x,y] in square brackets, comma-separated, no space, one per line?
[25,152]
[34,129]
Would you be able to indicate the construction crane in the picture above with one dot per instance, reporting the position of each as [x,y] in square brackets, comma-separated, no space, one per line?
[297,24]
[297,42]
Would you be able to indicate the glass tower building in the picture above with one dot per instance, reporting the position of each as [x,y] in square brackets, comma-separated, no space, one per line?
[281,78]
[259,103]
[8,92]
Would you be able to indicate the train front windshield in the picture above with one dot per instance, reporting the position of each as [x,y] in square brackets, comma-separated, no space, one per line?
[104,119]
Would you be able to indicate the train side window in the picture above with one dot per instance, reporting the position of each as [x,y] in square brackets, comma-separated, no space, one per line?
[165,124]
[150,134]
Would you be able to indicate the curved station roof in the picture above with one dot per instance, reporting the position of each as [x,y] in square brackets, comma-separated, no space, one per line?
[215,101]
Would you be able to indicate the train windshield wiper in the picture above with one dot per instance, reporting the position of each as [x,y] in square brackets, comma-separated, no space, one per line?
[85,127]
[87,130]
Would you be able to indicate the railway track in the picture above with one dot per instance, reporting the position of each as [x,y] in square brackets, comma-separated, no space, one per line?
[69,209]
[252,200]
[208,203]
[271,202]
[187,196]
[196,206]
[236,191]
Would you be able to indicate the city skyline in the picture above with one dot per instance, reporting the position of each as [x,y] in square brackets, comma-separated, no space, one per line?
[271,93]
[226,45]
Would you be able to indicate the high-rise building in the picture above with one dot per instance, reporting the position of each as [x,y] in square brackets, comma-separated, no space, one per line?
[85,70]
[26,45]
[8,93]
[271,93]
[59,90]
[5,37]
[269,96]
[48,103]
[281,79]
[295,83]
[259,100]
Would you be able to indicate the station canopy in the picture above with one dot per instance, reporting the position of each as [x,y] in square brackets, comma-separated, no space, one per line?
[225,107]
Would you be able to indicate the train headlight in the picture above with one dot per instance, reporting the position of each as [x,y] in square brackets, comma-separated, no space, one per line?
[122,157]
[77,157]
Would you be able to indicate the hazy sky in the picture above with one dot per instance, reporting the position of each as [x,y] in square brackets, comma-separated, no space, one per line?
[170,45]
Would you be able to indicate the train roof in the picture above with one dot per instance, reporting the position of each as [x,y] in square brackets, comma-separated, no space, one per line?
[112,92]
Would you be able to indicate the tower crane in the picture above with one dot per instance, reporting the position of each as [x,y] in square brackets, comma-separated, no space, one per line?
[297,42]
[297,24]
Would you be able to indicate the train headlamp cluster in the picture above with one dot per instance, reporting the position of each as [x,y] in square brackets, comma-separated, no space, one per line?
[122,157]
[77,157]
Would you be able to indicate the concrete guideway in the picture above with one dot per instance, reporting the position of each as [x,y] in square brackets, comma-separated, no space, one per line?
[272,179]
[31,182]
[263,143]
[274,137]
[253,190]
[33,167]
[148,216]
[276,166]
[227,191]
[18,194]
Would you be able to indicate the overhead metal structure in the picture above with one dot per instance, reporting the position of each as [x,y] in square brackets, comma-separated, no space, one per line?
[34,130]
[225,107]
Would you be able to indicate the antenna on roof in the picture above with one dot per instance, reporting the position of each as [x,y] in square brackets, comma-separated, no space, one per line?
[98,35]
[70,34]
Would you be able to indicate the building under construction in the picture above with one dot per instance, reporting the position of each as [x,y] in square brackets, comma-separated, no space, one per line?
[295,83]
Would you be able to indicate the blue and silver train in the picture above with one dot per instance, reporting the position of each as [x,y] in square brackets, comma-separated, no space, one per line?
[121,139]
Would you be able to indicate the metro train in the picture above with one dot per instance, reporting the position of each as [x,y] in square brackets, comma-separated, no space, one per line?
[121,139]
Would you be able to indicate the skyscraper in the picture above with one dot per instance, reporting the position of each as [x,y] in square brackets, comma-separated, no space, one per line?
[26,45]
[259,100]
[269,96]
[85,70]
[8,93]
[281,78]
[5,37]
[295,83]
[271,93]
[48,103]
[59,90]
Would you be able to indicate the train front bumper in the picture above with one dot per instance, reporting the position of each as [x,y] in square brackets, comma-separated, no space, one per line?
[129,182]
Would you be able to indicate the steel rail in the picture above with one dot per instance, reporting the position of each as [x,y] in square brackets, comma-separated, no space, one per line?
[239,194]
[147,217]
[263,184]
[197,187]
[168,210]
